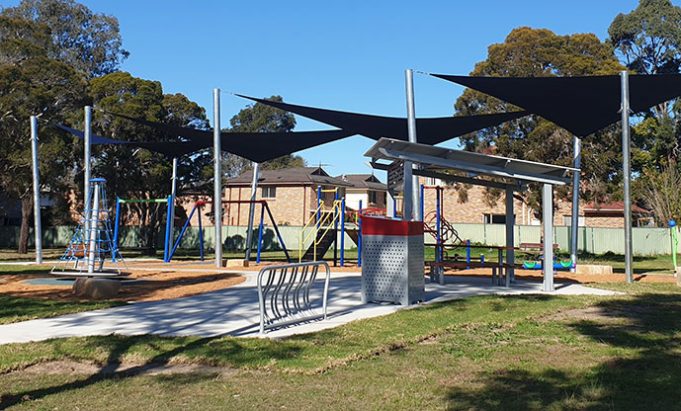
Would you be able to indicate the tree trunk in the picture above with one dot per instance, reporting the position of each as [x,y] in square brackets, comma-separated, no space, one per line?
[26,212]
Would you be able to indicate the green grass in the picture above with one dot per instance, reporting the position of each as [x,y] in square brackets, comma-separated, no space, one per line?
[14,309]
[519,353]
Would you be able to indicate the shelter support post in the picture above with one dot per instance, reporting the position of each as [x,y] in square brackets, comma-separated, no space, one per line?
[407,193]
[217,184]
[628,249]
[414,208]
[389,205]
[574,219]
[251,211]
[547,241]
[342,235]
[510,240]
[359,235]
[37,223]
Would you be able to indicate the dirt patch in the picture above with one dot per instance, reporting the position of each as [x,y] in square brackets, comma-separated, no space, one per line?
[66,367]
[154,283]
[580,314]
[573,277]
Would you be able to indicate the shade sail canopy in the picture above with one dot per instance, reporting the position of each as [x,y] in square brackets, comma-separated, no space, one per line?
[581,105]
[475,164]
[170,149]
[258,147]
[429,130]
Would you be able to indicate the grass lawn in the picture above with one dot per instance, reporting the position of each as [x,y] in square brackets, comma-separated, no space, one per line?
[492,352]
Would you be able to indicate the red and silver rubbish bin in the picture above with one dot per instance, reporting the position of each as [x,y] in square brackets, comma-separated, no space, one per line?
[392,261]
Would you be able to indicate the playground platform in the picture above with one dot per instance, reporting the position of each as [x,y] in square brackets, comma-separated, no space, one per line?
[234,311]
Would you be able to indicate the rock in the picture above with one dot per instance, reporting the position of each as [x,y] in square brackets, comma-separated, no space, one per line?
[96,288]
[237,263]
[593,269]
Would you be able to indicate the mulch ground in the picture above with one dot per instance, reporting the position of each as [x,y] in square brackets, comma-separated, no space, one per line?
[156,282]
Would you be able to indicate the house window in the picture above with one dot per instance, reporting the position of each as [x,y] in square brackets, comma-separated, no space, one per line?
[269,192]
[494,219]
[373,197]
[581,221]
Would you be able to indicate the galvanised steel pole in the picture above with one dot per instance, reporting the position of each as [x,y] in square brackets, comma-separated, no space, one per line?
[547,211]
[574,220]
[87,134]
[37,225]
[628,249]
[217,185]
[251,211]
[171,204]
[415,210]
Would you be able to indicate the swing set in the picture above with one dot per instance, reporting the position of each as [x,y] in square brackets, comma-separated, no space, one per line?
[169,246]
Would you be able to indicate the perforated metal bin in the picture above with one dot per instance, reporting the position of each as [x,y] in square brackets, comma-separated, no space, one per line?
[392,261]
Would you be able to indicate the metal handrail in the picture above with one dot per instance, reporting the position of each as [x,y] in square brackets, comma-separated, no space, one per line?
[327,220]
[284,294]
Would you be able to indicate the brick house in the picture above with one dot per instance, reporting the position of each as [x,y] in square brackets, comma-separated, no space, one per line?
[476,209]
[292,197]
[291,194]
[365,188]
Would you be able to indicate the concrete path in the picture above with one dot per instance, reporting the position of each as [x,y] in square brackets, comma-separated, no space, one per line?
[234,311]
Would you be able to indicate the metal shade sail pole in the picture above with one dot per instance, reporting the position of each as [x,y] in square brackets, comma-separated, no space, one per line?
[415,210]
[171,204]
[37,225]
[628,249]
[217,184]
[87,137]
[574,220]
[251,211]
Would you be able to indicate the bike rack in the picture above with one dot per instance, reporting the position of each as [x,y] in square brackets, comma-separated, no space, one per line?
[284,294]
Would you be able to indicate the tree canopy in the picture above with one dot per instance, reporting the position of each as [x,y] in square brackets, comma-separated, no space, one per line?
[87,41]
[528,52]
[32,83]
[140,173]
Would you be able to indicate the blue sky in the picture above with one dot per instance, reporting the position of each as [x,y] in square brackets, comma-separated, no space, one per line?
[347,55]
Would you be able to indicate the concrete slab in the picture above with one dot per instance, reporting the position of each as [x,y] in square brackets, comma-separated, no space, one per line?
[234,311]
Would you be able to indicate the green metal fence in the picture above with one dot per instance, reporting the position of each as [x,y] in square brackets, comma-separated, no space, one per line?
[595,240]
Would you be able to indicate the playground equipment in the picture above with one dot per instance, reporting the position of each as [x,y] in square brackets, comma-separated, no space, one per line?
[536,260]
[284,294]
[264,207]
[675,241]
[92,242]
[321,230]
[169,216]
[197,207]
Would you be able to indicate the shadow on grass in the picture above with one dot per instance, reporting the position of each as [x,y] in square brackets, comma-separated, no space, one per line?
[14,309]
[118,347]
[646,330]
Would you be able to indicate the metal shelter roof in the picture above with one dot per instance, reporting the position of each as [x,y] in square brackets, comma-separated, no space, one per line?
[436,159]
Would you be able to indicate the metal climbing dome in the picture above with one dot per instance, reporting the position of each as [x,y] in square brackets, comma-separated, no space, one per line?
[92,243]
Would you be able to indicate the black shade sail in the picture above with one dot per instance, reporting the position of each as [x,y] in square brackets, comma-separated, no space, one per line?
[429,130]
[581,105]
[172,149]
[258,147]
